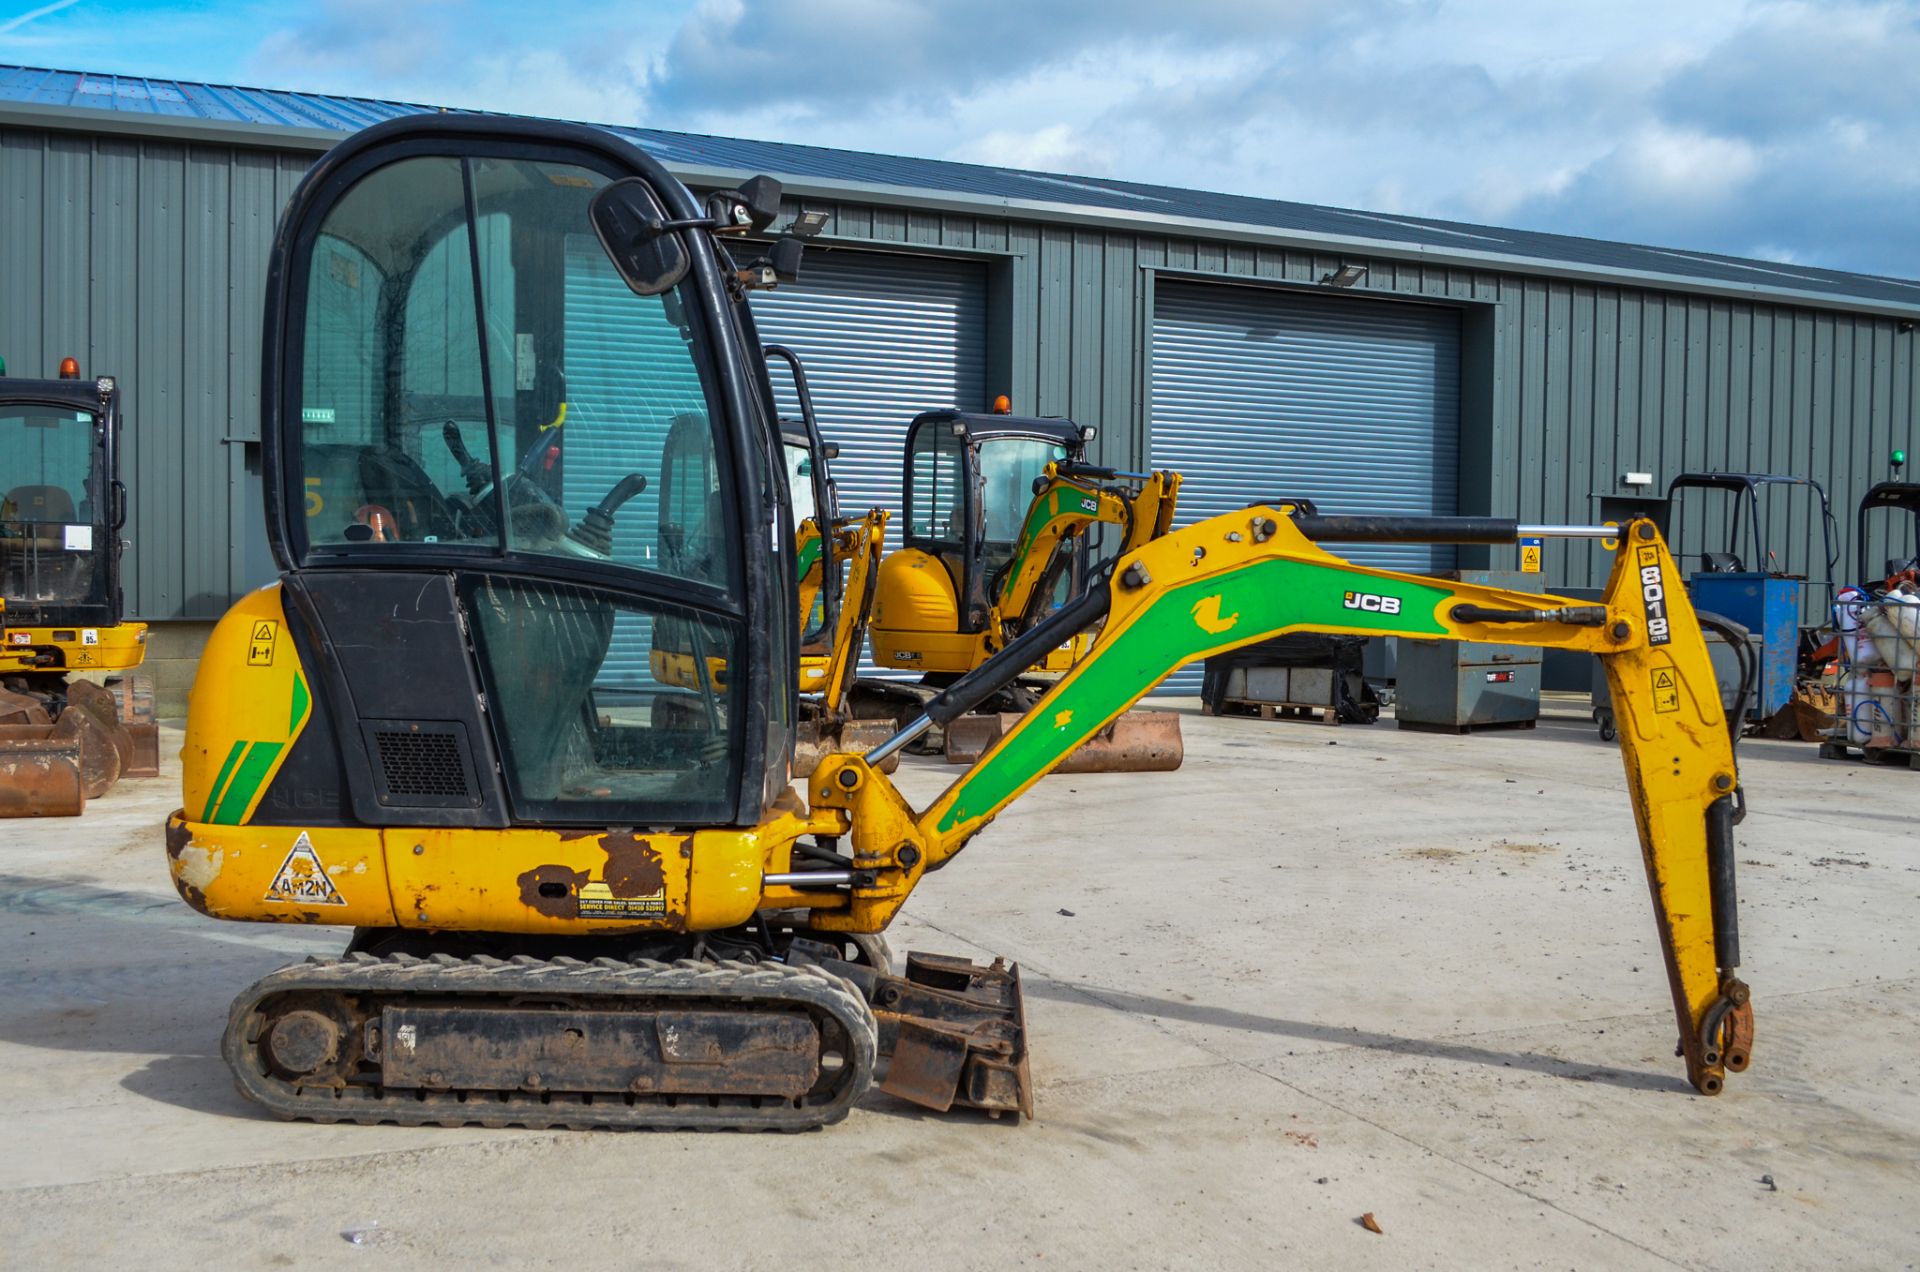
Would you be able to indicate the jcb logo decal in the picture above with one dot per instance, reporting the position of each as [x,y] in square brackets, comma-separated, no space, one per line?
[1089,505]
[1372,602]
[1653,596]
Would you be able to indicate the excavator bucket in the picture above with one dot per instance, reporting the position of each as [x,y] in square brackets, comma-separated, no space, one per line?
[51,767]
[39,771]
[1137,742]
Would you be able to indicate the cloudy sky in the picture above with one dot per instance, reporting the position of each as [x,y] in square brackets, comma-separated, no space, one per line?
[1785,130]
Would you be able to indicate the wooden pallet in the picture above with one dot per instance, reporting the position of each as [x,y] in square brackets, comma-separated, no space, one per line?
[1280,710]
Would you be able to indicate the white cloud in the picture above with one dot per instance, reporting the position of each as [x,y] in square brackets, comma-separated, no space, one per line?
[46,10]
[1729,125]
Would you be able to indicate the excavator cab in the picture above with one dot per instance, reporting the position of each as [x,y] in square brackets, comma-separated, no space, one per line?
[62,508]
[969,480]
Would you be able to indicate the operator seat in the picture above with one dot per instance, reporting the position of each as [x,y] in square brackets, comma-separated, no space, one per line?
[33,553]
[47,510]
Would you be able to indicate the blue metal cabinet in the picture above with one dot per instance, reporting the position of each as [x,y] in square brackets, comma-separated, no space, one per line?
[1768,607]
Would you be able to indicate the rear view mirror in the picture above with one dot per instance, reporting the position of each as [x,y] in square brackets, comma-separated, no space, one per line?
[628,220]
[830,451]
[785,256]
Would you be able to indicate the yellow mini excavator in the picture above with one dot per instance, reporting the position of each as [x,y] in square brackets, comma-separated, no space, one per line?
[568,910]
[63,739]
[998,513]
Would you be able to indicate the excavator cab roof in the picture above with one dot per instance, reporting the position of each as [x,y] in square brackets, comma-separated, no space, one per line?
[982,425]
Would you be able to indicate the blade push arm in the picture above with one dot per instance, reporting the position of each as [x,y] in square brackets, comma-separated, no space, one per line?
[1248,576]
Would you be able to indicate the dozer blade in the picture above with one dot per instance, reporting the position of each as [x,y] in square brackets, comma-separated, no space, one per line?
[814,741]
[1138,742]
[956,1032]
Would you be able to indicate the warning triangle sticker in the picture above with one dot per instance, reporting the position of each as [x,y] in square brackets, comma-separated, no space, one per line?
[263,630]
[302,880]
[1663,680]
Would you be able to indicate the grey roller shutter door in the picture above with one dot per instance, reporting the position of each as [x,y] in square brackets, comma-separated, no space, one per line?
[1352,403]
[883,337]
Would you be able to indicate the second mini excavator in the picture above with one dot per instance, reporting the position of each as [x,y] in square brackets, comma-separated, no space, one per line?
[999,510]
[569,913]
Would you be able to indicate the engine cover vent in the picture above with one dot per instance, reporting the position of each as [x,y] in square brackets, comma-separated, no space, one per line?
[421,763]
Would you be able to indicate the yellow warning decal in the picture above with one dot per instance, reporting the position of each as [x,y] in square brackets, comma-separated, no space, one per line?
[1666,690]
[260,644]
[302,880]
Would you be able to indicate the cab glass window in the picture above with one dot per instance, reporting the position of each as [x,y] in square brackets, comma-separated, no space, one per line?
[585,731]
[1008,469]
[936,506]
[52,515]
[476,375]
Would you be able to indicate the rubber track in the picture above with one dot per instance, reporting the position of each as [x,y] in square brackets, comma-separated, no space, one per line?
[650,983]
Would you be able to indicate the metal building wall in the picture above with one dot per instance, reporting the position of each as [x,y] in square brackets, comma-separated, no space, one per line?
[147,260]
[1567,385]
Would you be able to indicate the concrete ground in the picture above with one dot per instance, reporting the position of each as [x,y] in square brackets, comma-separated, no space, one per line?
[1318,973]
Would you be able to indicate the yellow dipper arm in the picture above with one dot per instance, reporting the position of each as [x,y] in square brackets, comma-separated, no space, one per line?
[858,543]
[1249,576]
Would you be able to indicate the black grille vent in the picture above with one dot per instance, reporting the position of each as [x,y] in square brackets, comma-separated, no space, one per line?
[421,763]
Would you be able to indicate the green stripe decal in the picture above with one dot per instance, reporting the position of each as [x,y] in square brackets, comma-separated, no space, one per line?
[220,782]
[809,554]
[1038,518]
[1256,601]
[253,770]
[301,700]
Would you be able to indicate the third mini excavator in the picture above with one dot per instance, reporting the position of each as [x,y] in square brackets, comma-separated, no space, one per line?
[571,910]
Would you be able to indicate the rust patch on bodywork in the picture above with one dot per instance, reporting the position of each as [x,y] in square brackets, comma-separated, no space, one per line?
[633,866]
[565,905]
[192,896]
[178,837]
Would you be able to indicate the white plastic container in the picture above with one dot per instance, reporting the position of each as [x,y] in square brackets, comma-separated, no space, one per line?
[1849,610]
